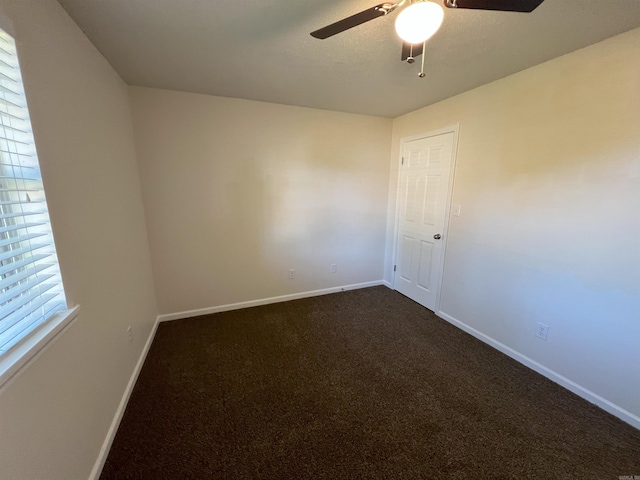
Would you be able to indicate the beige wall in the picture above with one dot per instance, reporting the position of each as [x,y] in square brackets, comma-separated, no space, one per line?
[55,415]
[238,192]
[548,177]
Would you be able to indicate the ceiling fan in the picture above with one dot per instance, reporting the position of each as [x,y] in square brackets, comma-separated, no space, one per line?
[416,23]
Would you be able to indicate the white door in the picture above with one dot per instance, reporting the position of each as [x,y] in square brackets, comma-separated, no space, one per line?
[422,196]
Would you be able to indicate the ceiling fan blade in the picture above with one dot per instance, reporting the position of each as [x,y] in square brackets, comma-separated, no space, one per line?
[502,5]
[350,22]
[406,50]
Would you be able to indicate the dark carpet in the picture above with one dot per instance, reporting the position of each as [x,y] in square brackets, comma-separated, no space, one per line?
[355,385]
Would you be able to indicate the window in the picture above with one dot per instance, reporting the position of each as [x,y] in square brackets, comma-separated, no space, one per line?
[31,292]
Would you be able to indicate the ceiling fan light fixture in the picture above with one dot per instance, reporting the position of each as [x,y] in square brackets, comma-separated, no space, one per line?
[419,21]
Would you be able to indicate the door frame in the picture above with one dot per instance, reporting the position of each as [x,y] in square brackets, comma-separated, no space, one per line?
[455,129]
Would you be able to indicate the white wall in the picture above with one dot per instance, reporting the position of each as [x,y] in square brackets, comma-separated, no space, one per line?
[238,192]
[548,176]
[55,415]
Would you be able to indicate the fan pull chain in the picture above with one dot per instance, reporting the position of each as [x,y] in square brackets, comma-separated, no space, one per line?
[410,58]
[424,52]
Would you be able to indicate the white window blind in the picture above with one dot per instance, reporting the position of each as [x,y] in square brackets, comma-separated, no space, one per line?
[31,289]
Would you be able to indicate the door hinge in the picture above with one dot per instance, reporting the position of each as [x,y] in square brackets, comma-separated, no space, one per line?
[402,163]
[394,268]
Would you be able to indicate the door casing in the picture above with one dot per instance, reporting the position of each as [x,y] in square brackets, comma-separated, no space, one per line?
[455,129]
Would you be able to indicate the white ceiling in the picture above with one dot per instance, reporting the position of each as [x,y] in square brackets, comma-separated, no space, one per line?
[262,50]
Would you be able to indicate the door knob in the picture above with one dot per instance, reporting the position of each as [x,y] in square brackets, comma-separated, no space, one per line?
[437,236]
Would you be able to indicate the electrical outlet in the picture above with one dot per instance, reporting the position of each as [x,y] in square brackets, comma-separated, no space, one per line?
[543,331]
[129,335]
[292,274]
[334,268]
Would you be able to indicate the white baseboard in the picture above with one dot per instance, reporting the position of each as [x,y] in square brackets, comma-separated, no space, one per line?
[570,385]
[387,284]
[106,446]
[265,301]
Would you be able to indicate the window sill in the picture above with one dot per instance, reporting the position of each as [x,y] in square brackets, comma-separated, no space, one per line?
[19,356]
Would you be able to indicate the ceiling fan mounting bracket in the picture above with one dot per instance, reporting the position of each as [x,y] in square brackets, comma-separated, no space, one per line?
[387,8]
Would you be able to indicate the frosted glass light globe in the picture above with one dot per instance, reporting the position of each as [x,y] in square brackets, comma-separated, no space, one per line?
[419,21]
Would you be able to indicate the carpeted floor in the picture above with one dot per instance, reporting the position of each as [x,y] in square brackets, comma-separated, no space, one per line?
[363,384]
